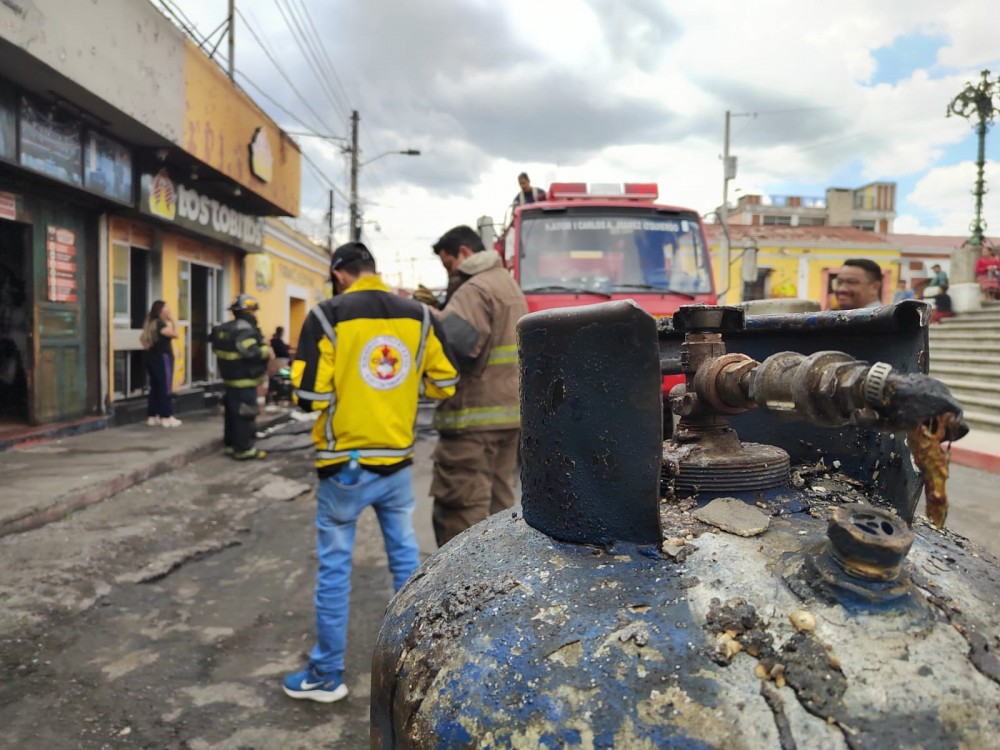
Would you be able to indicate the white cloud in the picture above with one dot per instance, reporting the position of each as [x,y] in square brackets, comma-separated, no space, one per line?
[943,195]
[606,90]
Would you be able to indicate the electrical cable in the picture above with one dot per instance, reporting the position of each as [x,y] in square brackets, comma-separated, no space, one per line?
[329,64]
[305,46]
[280,69]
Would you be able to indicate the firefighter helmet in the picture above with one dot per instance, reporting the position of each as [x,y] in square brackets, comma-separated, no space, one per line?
[245,303]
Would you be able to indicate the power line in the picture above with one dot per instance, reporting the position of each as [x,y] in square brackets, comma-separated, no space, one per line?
[280,69]
[305,45]
[329,64]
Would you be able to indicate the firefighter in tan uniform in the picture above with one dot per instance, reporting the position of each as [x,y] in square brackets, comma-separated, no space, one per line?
[480,426]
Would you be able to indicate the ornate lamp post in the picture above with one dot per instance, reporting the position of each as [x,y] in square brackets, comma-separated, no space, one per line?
[977,103]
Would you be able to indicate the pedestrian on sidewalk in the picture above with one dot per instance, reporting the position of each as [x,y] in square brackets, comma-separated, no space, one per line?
[480,426]
[361,361]
[157,338]
[242,357]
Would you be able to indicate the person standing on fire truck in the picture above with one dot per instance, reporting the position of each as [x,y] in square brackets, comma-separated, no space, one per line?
[527,194]
[480,426]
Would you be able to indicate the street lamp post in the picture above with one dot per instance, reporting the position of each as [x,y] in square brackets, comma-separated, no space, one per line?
[355,166]
[351,147]
[979,103]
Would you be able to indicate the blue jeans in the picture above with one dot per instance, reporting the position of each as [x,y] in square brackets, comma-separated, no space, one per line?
[336,518]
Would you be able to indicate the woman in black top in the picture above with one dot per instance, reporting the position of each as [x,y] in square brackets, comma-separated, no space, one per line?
[158,333]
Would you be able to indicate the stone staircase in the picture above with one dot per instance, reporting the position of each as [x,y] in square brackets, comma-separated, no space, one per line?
[965,355]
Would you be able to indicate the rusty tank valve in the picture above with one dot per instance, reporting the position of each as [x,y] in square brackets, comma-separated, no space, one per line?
[826,388]
[863,555]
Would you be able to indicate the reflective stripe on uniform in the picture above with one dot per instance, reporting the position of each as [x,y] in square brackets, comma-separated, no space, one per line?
[366,453]
[325,325]
[244,382]
[425,326]
[310,396]
[443,383]
[222,354]
[503,355]
[486,415]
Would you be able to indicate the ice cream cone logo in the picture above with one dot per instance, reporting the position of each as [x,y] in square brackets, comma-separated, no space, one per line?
[163,197]
[261,158]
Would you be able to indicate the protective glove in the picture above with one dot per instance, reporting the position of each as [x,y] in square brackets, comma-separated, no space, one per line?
[425,295]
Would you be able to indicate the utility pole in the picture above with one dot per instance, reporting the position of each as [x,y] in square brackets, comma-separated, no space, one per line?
[329,225]
[355,213]
[724,254]
[979,103]
[728,173]
[232,40]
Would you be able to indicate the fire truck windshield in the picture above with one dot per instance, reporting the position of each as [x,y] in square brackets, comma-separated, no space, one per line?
[612,250]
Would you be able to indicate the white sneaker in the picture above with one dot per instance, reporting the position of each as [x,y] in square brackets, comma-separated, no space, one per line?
[153,422]
[171,422]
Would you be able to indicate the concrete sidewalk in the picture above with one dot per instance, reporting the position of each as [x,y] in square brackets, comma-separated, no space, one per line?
[45,481]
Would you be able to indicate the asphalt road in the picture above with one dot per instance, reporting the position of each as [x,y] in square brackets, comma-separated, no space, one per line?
[974,506]
[166,616]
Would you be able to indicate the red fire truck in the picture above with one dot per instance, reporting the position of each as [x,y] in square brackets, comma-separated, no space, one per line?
[591,243]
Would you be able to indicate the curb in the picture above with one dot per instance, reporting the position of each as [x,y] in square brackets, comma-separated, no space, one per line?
[95,493]
[975,459]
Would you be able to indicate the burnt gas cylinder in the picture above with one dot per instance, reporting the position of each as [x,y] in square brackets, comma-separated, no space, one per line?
[602,616]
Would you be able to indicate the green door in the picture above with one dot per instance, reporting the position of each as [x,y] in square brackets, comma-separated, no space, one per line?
[60,256]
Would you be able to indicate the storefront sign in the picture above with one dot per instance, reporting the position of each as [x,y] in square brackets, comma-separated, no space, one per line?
[50,143]
[8,206]
[261,158]
[264,273]
[8,122]
[171,201]
[61,261]
[108,168]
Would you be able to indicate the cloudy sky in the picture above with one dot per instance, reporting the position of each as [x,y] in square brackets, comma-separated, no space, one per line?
[823,94]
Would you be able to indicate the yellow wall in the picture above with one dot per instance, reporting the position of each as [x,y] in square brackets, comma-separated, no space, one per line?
[291,268]
[219,124]
[786,263]
[175,248]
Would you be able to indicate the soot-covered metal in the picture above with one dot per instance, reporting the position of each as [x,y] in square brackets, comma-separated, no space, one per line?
[827,621]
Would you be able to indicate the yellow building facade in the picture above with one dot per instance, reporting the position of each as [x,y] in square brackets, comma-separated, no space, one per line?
[289,278]
[800,262]
[201,231]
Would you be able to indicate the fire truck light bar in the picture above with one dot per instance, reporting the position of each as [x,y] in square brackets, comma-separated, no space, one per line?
[646,191]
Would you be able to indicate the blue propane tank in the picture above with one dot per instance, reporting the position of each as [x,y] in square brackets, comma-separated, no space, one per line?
[767,586]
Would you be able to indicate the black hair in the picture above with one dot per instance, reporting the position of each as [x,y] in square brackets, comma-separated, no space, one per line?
[155,310]
[873,269]
[456,237]
[279,330]
[357,267]
[524,175]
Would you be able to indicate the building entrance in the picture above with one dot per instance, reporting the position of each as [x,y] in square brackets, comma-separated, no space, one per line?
[15,324]
[202,299]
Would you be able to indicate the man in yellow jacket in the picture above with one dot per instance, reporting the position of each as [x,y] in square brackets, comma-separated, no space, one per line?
[361,361]
[480,426]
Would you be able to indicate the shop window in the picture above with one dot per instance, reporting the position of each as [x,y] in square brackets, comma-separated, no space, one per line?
[130,286]
[130,373]
[120,276]
[778,221]
[183,291]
